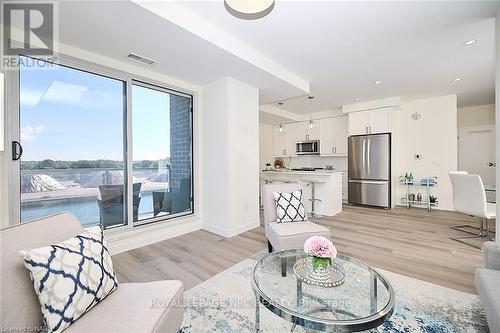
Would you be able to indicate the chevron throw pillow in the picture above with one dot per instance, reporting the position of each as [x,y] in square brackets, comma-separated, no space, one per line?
[70,277]
[289,206]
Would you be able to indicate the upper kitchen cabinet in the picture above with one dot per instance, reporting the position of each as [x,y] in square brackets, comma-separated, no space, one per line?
[369,122]
[333,136]
[279,141]
[308,130]
[284,140]
[340,134]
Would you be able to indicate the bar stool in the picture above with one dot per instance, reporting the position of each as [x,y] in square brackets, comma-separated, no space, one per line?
[313,199]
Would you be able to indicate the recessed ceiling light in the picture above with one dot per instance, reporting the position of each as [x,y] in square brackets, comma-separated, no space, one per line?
[310,97]
[357,99]
[457,79]
[470,42]
[378,82]
[249,10]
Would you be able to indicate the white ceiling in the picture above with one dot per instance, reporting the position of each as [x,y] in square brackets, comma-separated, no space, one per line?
[115,28]
[414,47]
[341,48]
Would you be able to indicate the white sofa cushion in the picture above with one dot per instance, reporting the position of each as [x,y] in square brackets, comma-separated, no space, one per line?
[152,307]
[70,277]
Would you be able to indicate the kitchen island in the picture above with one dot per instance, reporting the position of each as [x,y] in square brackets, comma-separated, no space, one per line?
[328,187]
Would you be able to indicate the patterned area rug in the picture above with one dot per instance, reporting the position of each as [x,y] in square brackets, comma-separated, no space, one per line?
[226,304]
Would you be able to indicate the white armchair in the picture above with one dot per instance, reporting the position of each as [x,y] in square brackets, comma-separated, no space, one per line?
[286,235]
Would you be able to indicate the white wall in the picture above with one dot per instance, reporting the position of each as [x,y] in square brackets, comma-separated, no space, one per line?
[497,98]
[266,142]
[476,115]
[434,136]
[230,122]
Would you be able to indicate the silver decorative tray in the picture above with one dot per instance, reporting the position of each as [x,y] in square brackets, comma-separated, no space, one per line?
[335,274]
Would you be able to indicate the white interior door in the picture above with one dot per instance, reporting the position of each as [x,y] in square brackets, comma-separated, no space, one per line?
[476,152]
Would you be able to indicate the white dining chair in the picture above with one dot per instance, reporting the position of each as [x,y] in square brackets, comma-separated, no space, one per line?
[469,197]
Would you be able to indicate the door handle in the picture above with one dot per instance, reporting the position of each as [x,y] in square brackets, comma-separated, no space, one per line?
[15,153]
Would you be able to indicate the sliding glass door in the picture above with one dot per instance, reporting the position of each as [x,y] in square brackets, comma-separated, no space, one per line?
[71,133]
[161,136]
[79,154]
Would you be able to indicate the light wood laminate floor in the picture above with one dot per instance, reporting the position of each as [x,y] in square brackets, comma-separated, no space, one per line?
[411,242]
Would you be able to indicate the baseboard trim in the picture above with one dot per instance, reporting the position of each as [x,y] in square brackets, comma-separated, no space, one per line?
[141,236]
[228,233]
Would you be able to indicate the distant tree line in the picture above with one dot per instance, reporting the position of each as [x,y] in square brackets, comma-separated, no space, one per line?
[89,164]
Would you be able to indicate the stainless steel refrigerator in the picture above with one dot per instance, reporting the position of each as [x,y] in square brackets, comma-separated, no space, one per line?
[369,170]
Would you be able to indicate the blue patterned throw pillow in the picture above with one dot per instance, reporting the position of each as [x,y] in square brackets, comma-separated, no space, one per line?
[70,277]
[289,206]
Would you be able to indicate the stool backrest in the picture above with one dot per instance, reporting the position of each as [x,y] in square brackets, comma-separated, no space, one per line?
[268,198]
[469,196]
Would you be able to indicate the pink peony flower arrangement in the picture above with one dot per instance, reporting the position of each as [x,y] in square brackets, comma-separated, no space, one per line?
[321,249]
[318,246]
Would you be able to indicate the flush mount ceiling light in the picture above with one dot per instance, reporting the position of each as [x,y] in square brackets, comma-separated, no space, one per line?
[457,79]
[378,82]
[357,99]
[470,42]
[249,9]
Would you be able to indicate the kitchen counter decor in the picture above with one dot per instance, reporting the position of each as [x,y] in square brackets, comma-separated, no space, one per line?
[318,268]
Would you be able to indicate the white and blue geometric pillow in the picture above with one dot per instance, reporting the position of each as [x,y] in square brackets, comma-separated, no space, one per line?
[70,277]
[289,207]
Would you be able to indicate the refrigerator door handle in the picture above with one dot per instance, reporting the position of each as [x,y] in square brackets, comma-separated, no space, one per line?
[368,157]
[381,182]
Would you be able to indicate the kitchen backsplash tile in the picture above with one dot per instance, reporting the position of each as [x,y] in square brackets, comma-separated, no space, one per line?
[338,162]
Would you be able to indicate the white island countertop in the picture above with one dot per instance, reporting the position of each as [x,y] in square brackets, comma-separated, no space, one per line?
[328,187]
[296,172]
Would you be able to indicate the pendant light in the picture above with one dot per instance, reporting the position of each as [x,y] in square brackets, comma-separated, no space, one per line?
[249,9]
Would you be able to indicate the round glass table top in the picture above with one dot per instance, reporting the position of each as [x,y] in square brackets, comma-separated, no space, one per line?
[362,302]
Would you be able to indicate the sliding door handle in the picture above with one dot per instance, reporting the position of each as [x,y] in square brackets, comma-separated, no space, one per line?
[17,150]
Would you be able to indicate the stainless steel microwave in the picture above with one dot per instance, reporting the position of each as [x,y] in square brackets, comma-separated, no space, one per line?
[310,147]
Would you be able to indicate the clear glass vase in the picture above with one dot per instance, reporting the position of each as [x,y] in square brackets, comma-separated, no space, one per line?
[319,275]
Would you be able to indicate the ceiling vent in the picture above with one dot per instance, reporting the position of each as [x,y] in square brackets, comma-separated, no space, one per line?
[140,59]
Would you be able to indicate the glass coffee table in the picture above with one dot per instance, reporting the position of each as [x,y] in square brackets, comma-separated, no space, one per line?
[364,301]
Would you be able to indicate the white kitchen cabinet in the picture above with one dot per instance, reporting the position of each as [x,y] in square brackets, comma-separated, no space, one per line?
[284,140]
[279,141]
[340,134]
[291,139]
[326,144]
[306,133]
[333,136]
[378,121]
[369,122]
[358,123]
[314,132]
